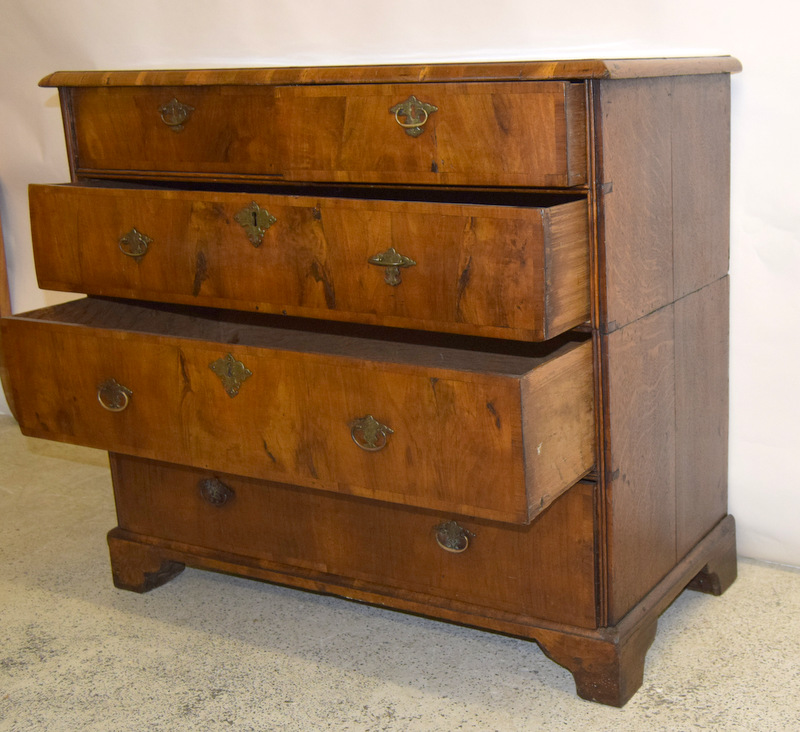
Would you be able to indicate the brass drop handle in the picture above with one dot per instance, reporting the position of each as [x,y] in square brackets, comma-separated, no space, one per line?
[369,434]
[416,122]
[175,115]
[134,243]
[452,538]
[416,114]
[393,261]
[113,396]
[215,492]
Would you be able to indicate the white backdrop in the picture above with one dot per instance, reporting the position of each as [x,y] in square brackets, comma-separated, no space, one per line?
[40,36]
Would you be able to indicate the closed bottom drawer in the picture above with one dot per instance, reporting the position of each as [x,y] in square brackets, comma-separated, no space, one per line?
[544,570]
[429,423]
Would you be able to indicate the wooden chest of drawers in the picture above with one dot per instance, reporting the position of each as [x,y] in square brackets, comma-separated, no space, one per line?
[451,339]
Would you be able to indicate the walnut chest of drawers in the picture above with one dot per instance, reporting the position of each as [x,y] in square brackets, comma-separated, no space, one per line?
[450,339]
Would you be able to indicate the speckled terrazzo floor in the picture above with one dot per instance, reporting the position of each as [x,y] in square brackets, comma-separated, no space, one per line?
[212,652]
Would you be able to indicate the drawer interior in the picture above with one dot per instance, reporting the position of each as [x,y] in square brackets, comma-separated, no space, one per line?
[350,340]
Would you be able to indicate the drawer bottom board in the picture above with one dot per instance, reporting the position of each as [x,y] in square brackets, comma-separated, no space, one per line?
[545,570]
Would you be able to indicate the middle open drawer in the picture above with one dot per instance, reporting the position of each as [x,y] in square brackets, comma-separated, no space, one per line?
[502,271]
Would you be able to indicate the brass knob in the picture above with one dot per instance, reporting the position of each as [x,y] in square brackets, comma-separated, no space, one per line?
[215,492]
[369,434]
[416,114]
[175,115]
[134,243]
[452,538]
[113,396]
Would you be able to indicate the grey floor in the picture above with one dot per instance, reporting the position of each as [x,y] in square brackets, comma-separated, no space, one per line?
[212,652]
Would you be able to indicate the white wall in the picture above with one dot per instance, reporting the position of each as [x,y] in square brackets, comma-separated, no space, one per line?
[40,36]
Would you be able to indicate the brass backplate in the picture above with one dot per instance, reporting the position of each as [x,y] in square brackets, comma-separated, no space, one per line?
[175,115]
[415,113]
[369,434]
[393,261]
[134,243]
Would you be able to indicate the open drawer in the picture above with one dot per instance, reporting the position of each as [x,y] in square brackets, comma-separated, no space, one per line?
[488,429]
[519,270]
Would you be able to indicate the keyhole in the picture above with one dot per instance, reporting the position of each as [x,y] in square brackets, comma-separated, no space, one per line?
[255,219]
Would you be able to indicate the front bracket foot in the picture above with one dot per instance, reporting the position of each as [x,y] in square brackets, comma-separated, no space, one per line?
[608,671]
[139,567]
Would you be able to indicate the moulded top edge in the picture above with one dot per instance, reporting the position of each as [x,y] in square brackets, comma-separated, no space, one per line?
[494,71]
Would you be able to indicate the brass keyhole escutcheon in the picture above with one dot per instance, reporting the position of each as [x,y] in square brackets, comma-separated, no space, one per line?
[231,373]
[255,221]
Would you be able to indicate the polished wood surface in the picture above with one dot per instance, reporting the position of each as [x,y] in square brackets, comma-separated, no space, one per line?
[494,71]
[481,134]
[701,412]
[641,524]
[662,255]
[509,271]
[659,142]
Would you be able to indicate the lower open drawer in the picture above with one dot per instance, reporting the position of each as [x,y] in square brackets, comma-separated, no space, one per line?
[492,430]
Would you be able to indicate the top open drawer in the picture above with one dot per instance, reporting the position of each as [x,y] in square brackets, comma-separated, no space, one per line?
[485,133]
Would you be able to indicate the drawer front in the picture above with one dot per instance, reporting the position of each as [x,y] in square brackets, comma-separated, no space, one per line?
[485,443]
[498,271]
[542,570]
[529,133]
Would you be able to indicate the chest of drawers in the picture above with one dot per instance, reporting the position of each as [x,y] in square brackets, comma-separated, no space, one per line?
[450,339]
